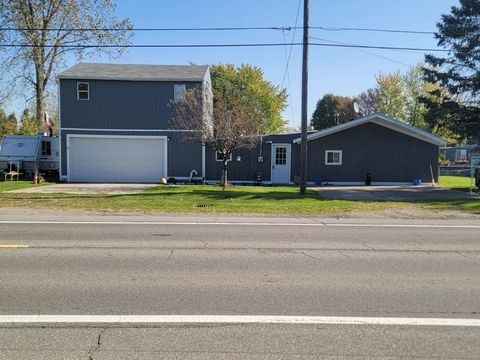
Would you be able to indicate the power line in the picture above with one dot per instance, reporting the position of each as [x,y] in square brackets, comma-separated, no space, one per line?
[83,46]
[293,40]
[363,51]
[227,28]
[231,28]
[372,30]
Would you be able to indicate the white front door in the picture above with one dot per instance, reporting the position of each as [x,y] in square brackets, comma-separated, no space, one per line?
[281,163]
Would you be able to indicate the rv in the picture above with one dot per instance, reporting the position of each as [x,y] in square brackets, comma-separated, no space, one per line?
[27,153]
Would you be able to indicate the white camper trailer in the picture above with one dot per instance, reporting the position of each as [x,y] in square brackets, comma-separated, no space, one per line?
[26,153]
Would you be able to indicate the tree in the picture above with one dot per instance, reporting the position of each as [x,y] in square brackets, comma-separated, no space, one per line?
[263,97]
[458,72]
[332,110]
[390,95]
[367,102]
[224,126]
[8,124]
[47,30]
[28,124]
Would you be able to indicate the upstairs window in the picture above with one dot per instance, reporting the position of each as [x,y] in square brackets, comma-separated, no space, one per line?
[333,157]
[46,148]
[179,92]
[83,91]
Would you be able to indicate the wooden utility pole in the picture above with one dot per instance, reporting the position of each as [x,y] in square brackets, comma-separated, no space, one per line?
[303,156]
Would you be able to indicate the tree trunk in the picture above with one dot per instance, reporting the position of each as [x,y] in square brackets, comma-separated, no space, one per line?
[39,96]
[224,175]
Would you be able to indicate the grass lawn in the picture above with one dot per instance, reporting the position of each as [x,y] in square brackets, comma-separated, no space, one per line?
[456,182]
[236,199]
[14,185]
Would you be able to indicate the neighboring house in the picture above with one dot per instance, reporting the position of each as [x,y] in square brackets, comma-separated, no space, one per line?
[115,126]
[390,150]
[115,122]
[458,155]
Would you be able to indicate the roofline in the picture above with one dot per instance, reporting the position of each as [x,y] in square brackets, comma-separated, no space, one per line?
[384,121]
[61,77]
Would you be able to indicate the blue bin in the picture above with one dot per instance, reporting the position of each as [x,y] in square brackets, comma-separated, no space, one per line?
[317,181]
[417,182]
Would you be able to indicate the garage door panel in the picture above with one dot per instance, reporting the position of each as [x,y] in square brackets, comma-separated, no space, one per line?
[113,159]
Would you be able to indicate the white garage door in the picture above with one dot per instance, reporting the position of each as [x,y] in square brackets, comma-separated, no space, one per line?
[116,159]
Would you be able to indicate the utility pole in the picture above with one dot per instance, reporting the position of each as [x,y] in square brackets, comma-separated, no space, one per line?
[303,154]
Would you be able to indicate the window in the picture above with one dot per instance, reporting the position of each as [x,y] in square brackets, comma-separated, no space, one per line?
[179,92]
[461,155]
[46,148]
[333,157]
[280,156]
[83,91]
[219,156]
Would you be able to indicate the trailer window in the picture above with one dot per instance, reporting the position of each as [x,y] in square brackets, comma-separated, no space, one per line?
[46,148]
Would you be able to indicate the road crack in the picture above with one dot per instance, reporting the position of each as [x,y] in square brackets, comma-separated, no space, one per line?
[96,347]
[171,254]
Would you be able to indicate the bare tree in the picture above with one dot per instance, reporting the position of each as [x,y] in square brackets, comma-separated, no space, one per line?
[224,126]
[41,32]
[367,102]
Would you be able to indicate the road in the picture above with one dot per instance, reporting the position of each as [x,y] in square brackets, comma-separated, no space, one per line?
[308,284]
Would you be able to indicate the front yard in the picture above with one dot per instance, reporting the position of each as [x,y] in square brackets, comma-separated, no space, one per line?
[238,199]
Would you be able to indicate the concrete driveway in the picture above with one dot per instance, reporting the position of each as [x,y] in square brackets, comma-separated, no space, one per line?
[71,188]
[392,193]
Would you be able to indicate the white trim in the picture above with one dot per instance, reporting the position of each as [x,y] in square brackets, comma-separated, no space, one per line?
[129,130]
[165,138]
[59,105]
[88,91]
[382,120]
[272,161]
[340,157]
[235,319]
[216,158]
[204,161]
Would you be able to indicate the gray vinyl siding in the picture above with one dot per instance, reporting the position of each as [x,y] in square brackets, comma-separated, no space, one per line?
[247,168]
[117,104]
[182,157]
[388,155]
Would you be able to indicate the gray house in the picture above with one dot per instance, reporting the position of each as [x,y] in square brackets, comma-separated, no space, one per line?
[115,126]
[115,122]
[390,150]
[458,155]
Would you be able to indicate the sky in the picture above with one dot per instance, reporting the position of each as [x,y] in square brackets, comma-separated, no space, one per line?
[341,71]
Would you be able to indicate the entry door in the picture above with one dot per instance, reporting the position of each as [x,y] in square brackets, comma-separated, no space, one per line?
[281,163]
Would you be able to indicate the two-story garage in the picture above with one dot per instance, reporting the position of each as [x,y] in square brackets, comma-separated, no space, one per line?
[115,122]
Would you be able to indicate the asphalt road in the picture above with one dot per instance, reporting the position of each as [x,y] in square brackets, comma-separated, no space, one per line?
[419,269]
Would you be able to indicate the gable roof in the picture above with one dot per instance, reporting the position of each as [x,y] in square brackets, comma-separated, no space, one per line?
[134,72]
[382,120]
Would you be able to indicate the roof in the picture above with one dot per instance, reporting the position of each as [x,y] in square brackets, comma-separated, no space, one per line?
[382,120]
[134,72]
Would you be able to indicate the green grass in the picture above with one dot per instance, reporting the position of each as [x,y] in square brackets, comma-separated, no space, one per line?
[235,199]
[14,185]
[200,198]
[456,182]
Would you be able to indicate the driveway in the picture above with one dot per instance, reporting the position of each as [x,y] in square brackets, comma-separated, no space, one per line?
[70,188]
[392,193]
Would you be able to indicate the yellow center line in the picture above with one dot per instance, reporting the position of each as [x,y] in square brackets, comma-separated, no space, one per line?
[13,246]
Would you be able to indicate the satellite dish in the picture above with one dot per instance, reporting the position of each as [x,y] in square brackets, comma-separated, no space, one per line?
[356,108]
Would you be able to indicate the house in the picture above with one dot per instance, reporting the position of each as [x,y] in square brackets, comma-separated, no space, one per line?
[390,150]
[115,122]
[115,126]
[457,155]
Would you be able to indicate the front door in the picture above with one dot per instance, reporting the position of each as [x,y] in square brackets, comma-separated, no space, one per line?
[281,163]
